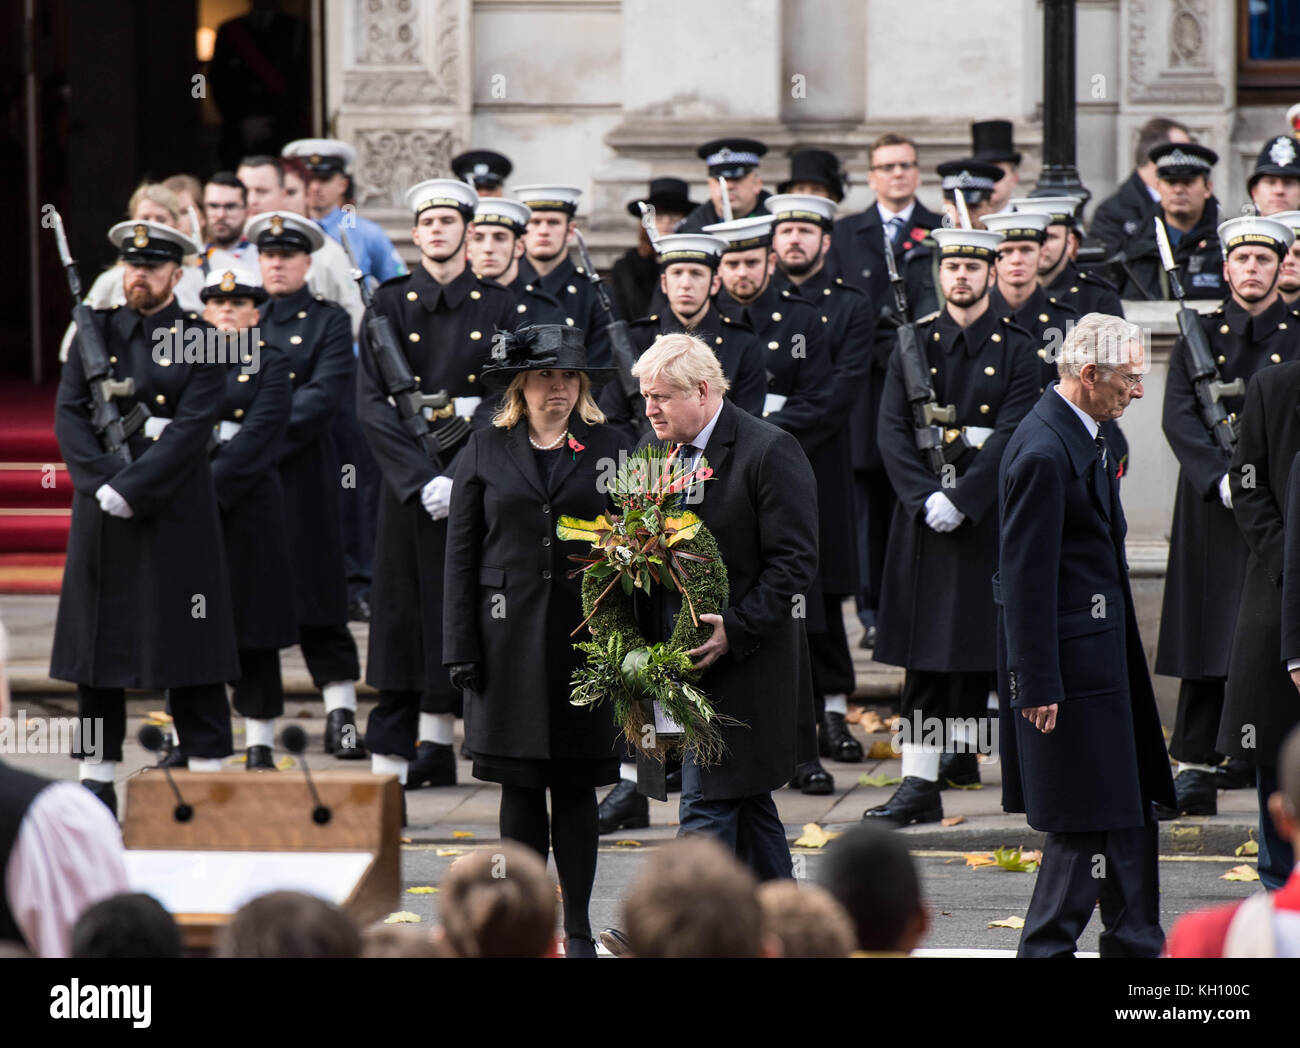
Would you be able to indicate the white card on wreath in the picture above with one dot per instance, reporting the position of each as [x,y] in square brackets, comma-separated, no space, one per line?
[664,724]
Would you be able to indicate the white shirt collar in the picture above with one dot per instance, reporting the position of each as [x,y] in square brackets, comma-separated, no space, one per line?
[702,438]
[1084,417]
[886,214]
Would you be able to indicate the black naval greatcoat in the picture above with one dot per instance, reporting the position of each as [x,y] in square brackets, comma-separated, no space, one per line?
[1197,257]
[633,281]
[509,604]
[1207,555]
[1084,292]
[858,249]
[446,333]
[568,292]
[732,341]
[1260,703]
[936,605]
[317,336]
[129,611]
[251,497]
[707,215]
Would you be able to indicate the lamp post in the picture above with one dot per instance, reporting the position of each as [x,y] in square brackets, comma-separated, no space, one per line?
[1059,174]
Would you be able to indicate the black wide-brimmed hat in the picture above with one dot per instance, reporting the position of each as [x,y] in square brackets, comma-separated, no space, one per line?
[555,346]
[666,194]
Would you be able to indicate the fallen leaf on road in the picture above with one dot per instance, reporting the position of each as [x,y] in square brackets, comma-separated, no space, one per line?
[970,786]
[882,779]
[814,836]
[158,717]
[1012,859]
[1248,848]
[405,840]
[402,917]
[854,715]
[872,723]
[890,722]
[238,758]
[442,853]
[627,844]
[882,751]
[1241,873]
[952,820]
[461,833]
[421,889]
[1009,922]
[976,859]
[285,763]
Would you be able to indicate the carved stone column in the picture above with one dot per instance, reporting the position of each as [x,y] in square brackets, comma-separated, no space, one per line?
[398,89]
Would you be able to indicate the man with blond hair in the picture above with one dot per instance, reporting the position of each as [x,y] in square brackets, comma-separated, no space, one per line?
[761,505]
[1083,753]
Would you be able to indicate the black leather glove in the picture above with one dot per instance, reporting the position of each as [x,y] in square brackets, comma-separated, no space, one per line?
[465,675]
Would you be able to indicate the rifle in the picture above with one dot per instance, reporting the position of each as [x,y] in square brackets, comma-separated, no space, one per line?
[648,223]
[926,412]
[399,381]
[112,429]
[726,200]
[1210,388]
[963,212]
[620,342]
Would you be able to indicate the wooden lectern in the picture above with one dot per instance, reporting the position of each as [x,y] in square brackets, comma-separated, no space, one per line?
[255,832]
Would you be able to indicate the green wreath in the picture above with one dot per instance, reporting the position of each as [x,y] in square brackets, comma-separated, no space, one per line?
[651,542]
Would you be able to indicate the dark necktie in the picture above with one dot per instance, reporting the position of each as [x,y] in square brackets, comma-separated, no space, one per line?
[687,454]
[895,225]
[1100,441]
[1103,476]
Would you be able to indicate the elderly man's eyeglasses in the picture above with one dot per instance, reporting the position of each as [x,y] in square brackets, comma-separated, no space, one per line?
[1133,380]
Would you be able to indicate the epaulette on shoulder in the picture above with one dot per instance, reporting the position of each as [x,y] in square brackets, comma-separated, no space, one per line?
[737,325]
[1010,324]
[930,317]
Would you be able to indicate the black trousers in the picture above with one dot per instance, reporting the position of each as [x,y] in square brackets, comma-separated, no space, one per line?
[946,694]
[200,712]
[358,505]
[330,653]
[1196,725]
[873,505]
[750,827]
[394,723]
[1116,868]
[259,692]
[832,663]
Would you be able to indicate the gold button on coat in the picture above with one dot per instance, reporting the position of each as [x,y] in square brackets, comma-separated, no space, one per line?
[414,336]
[476,335]
[984,409]
[411,296]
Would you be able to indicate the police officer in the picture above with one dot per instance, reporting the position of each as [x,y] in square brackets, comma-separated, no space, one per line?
[736,160]
[483,169]
[317,336]
[1274,185]
[563,291]
[145,600]
[1288,283]
[1190,213]
[936,609]
[634,278]
[255,411]
[1083,291]
[444,317]
[1251,331]
[801,239]
[975,180]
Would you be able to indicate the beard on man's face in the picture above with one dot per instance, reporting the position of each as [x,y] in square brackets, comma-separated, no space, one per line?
[140,297]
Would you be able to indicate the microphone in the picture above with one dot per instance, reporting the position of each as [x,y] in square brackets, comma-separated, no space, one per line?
[151,738]
[294,739]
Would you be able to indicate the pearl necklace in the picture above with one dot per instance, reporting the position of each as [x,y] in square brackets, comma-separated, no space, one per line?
[548,447]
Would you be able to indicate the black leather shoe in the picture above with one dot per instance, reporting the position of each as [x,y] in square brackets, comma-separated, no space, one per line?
[868,639]
[1196,792]
[623,809]
[434,765]
[813,779]
[615,941]
[260,758]
[359,610]
[957,770]
[105,791]
[835,741]
[673,781]
[342,739]
[175,758]
[579,946]
[1235,774]
[916,800]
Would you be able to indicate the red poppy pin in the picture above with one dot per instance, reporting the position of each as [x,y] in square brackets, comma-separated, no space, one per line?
[574,446]
[918,233]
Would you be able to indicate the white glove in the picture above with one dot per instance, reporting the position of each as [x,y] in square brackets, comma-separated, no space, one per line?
[436,497]
[112,503]
[1225,492]
[941,514]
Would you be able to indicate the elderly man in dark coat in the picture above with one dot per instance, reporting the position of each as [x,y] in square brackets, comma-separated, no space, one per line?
[761,506]
[1081,743]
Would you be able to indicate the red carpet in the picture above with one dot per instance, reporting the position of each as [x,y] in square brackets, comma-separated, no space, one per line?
[35,493]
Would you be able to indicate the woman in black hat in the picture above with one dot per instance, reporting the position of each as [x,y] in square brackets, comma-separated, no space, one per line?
[509,606]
